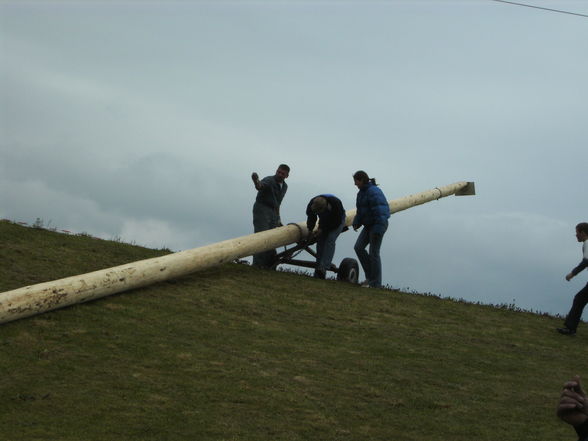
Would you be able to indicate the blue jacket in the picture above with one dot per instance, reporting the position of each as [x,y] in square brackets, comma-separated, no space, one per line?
[372,209]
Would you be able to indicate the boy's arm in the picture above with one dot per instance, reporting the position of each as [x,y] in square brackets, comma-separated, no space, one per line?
[583,265]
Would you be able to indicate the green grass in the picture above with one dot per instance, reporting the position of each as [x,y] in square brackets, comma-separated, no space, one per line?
[236,353]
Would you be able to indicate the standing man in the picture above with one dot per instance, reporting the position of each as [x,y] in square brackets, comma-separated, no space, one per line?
[373,212]
[266,210]
[581,298]
[331,215]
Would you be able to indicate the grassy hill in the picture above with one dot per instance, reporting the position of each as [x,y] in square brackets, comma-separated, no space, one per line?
[237,353]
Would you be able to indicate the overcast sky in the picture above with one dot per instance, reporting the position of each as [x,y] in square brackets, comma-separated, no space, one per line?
[144,120]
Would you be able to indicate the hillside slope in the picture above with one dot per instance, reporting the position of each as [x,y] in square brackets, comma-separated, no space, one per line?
[237,353]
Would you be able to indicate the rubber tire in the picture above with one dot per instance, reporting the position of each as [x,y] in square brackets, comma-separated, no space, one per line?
[348,270]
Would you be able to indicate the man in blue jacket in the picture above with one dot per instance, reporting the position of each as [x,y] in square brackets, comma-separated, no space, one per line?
[373,212]
[331,215]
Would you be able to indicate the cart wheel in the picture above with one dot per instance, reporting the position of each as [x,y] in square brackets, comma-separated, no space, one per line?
[348,270]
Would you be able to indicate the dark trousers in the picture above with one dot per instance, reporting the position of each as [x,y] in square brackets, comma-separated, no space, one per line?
[264,218]
[575,314]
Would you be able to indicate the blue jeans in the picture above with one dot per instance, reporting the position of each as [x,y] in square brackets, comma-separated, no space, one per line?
[370,262]
[325,248]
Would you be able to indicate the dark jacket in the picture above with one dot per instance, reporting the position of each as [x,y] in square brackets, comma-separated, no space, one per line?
[330,219]
[373,210]
[271,193]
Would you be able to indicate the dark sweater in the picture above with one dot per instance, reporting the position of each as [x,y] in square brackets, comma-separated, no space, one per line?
[330,219]
[271,192]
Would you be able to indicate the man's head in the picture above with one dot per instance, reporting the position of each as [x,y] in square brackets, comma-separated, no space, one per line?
[282,172]
[319,205]
[582,231]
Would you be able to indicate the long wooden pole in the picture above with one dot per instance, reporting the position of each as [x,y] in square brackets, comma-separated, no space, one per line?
[35,299]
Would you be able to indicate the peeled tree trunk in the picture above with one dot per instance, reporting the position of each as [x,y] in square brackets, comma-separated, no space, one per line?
[35,299]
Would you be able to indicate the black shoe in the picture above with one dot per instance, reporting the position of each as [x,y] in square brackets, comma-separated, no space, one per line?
[320,274]
[566,331]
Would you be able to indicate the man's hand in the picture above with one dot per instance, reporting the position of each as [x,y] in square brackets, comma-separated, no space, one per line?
[313,234]
[573,404]
[569,277]
[255,179]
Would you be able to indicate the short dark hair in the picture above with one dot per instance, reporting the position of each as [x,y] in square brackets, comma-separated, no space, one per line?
[583,227]
[319,205]
[284,167]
